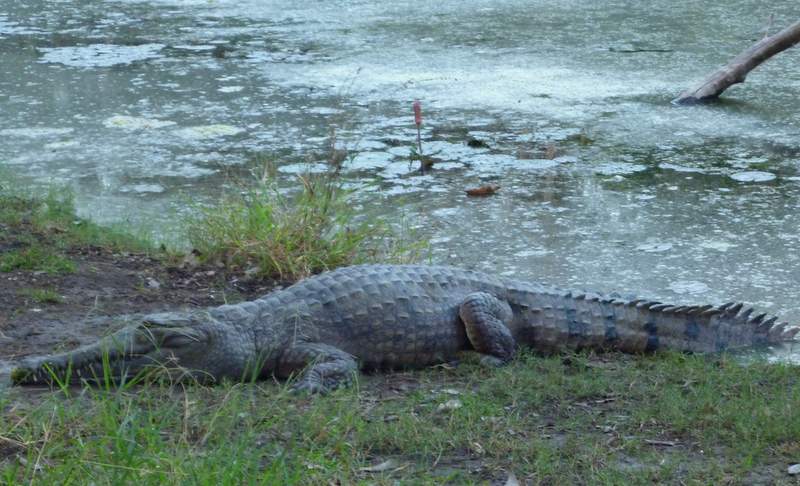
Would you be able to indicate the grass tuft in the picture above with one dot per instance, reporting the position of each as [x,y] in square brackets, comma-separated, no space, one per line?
[55,215]
[42,296]
[36,258]
[265,232]
[49,224]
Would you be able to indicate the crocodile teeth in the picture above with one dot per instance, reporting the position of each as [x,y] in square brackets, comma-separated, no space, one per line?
[710,312]
[725,305]
[746,313]
[659,307]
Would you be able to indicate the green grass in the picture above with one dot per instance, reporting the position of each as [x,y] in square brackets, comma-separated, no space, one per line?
[262,231]
[36,258]
[259,230]
[617,420]
[42,229]
[55,215]
[42,296]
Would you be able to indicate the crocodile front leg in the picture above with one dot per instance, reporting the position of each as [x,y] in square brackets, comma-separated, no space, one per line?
[485,318]
[323,367]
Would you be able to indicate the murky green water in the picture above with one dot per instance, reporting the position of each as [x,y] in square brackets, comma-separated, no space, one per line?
[137,103]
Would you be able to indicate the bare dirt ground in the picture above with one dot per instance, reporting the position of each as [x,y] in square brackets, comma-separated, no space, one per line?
[105,284]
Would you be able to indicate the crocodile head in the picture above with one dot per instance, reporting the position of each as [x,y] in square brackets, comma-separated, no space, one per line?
[185,345]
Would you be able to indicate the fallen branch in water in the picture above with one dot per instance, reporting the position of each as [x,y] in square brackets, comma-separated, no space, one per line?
[736,70]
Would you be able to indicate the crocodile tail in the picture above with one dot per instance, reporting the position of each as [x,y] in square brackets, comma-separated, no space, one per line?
[635,326]
[645,326]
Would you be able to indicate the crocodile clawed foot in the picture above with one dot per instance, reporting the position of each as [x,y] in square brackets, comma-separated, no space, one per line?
[310,387]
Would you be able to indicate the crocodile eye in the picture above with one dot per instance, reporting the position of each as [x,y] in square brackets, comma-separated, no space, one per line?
[179,340]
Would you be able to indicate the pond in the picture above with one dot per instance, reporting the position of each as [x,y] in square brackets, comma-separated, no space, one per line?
[604,184]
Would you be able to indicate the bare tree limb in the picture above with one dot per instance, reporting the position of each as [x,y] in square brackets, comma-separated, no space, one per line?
[736,71]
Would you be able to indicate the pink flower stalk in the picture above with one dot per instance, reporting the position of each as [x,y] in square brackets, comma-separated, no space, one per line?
[418,120]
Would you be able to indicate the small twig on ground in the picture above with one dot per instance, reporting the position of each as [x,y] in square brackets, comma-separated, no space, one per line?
[666,443]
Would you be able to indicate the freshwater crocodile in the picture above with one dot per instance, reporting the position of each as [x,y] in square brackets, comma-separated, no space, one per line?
[324,328]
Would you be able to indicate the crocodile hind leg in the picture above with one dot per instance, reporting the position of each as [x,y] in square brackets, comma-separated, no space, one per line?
[323,367]
[485,318]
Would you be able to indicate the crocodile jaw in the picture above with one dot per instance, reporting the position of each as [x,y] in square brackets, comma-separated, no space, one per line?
[166,341]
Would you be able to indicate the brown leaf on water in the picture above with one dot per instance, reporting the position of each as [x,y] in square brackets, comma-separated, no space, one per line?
[550,152]
[485,190]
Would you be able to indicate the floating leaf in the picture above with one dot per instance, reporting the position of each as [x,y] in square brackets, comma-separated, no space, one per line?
[485,190]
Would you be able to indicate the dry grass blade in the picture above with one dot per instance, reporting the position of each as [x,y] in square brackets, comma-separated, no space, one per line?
[383,466]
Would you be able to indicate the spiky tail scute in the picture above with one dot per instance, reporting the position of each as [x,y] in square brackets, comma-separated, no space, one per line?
[571,320]
[650,326]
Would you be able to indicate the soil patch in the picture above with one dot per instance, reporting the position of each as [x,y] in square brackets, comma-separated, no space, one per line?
[105,284]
